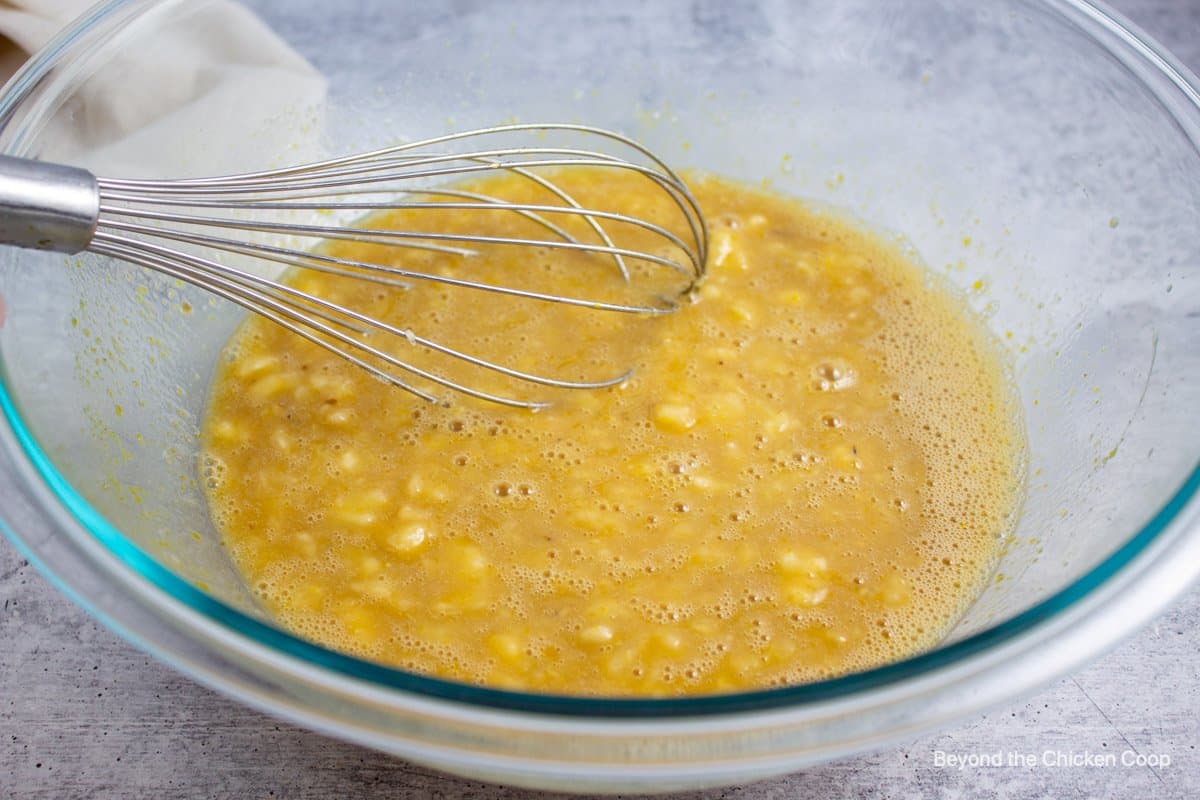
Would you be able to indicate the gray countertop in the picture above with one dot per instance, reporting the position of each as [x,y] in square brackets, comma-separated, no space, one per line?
[83,714]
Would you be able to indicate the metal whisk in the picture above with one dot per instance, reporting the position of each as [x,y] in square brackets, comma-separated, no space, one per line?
[174,227]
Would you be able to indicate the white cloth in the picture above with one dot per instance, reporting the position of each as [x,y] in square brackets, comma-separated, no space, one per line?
[193,85]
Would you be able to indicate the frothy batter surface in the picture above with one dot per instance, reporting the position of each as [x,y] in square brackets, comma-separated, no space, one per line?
[808,473]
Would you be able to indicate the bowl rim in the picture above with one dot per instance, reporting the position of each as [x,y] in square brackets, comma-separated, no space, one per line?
[83,520]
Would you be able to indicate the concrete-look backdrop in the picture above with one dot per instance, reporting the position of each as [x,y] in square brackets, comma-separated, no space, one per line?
[85,715]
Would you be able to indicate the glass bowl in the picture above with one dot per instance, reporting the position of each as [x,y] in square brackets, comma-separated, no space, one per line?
[1040,155]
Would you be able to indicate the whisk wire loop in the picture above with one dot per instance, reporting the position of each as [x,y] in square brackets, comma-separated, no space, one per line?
[185,228]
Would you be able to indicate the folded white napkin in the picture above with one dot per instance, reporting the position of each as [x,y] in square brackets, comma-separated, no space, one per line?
[201,82]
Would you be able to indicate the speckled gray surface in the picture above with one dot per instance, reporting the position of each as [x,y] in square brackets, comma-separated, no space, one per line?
[83,714]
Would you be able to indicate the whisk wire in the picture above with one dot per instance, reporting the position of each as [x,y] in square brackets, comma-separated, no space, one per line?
[387,236]
[282,299]
[366,270]
[213,195]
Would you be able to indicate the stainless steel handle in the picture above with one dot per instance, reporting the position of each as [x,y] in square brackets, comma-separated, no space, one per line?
[47,206]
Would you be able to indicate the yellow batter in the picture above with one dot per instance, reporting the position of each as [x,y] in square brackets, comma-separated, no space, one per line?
[809,472]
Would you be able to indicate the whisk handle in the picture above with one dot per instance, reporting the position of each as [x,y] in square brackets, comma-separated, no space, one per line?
[47,206]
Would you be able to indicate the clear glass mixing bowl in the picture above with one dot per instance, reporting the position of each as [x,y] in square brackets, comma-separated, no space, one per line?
[1041,155]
